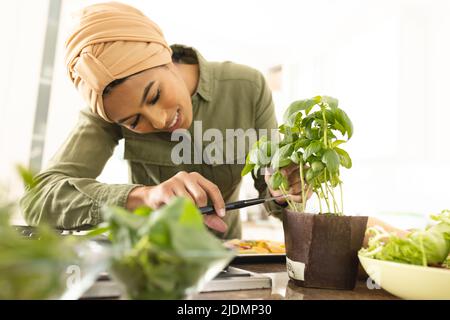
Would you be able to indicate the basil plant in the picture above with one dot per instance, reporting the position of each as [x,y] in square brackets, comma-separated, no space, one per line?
[313,134]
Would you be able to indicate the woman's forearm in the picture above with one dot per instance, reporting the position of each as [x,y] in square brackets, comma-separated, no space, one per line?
[372,222]
[70,203]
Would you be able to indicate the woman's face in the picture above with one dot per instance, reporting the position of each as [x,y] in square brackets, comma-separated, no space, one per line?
[155,100]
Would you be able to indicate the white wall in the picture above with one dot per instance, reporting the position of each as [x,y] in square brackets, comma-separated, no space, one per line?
[22,28]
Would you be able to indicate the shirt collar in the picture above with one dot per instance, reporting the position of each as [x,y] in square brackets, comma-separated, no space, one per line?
[189,55]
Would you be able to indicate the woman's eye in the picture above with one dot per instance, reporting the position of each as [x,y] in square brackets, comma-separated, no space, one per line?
[135,122]
[156,98]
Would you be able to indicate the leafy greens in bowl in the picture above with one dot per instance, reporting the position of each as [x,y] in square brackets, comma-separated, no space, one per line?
[163,254]
[429,247]
[414,267]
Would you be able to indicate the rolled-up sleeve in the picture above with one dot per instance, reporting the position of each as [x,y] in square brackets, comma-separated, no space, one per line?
[67,195]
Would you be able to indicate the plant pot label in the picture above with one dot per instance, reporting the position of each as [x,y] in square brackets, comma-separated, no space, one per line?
[296,270]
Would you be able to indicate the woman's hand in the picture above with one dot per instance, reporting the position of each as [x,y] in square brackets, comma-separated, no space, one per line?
[295,186]
[190,185]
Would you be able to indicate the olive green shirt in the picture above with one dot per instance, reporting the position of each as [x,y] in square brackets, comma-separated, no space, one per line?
[228,96]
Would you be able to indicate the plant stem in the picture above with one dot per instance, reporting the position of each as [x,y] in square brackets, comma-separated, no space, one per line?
[320,201]
[335,205]
[291,205]
[330,190]
[325,124]
[303,186]
[342,197]
[326,198]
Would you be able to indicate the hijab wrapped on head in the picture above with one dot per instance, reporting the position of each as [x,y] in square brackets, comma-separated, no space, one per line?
[111,41]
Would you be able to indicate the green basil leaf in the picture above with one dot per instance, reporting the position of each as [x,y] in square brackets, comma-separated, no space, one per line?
[278,180]
[143,211]
[329,116]
[255,170]
[339,127]
[312,102]
[284,183]
[317,166]
[307,122]
[301,143]
[344,158]
[265,152]
[331,160]
[294,119]
[311,149]
[298,106]
[312,133]
[332,102]
[330,134]
[253,156]
[248,168]
[275,180]
[282,128]
[337,143]
[296,157]
[311,175]
[345,121]
[335,180]
[281,157]
[27,177]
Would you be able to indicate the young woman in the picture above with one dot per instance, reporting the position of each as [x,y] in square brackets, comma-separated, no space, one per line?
[140,89]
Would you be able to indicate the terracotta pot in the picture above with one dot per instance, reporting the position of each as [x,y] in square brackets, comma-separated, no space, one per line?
[321,250]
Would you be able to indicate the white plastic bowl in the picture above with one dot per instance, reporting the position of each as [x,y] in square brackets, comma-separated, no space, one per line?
[409,281]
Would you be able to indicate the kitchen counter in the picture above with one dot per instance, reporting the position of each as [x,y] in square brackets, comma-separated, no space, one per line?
[282,288]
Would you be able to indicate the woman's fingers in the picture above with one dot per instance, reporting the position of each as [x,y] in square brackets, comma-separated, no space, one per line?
[180,191]
[215,195]
[159,195]
[287,171]
[201,189]
[215,222]
[192,186]
[196,191]
[292,174]
[296,198]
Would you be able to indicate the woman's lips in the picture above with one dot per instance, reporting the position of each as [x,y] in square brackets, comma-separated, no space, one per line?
[176,122]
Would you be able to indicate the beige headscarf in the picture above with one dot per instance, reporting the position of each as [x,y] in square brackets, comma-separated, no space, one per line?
[111,41]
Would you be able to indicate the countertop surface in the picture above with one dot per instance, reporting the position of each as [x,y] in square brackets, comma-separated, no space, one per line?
[281,288]
[285,289]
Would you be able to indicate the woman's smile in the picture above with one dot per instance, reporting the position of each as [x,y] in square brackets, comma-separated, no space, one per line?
[175,123]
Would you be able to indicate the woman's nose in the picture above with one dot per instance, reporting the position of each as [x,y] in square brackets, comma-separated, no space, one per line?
[157,117]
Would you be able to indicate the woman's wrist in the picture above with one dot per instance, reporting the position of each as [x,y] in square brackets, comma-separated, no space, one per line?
[137,197]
